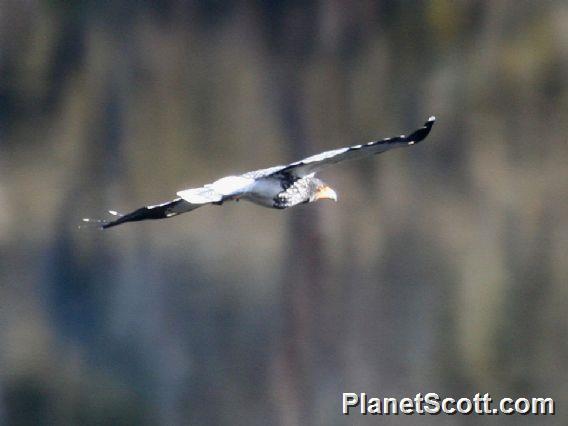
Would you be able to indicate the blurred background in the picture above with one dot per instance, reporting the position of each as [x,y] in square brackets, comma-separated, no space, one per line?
[442,268]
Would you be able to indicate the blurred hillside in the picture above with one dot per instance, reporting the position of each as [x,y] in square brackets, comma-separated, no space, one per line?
[442,268]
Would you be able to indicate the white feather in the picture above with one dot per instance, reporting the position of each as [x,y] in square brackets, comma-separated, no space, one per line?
[216,191]
[231,185]
[200,195]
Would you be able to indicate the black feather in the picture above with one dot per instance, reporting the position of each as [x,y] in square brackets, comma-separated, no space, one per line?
[161,211]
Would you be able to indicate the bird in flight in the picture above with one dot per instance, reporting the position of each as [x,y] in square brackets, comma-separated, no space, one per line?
[277,187]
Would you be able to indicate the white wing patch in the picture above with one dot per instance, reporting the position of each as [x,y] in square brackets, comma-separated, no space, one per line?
[216,191]
[200,195]
[230,185]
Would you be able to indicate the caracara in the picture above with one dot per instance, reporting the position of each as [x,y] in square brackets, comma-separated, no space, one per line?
[277,187]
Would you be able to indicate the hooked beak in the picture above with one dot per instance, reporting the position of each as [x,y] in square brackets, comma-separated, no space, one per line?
[326,193]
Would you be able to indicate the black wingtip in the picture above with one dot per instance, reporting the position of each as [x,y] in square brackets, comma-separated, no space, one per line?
[102,223]
[88,223]
[109,225]
[421,134]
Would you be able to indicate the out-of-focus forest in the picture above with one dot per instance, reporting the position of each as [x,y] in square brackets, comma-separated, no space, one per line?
[442,268]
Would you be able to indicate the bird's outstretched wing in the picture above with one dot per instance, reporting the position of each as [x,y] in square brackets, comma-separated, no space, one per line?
[189,199]
[317,162]
[234,187]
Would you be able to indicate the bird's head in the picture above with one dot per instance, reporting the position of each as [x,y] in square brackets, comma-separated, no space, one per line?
[323,191]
